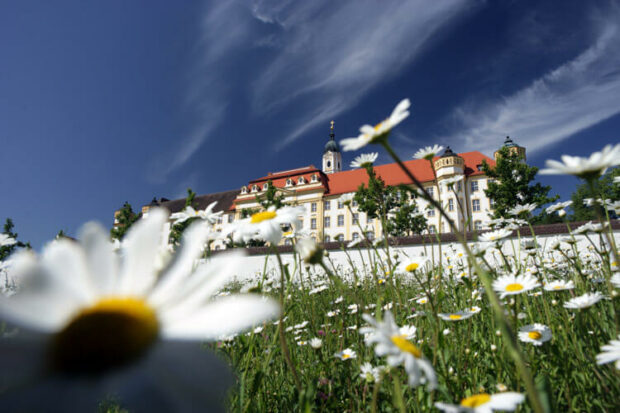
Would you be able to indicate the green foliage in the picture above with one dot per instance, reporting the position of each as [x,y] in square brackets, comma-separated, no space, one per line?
[7,250]
[511,183]
[271,197]
[189,200]
[393,205]
[176,232]
[125,218]
[604,188]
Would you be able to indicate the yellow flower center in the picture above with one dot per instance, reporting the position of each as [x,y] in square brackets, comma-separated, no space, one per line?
[262,216]
[557,287]
[346,356]
[476,400]
[514,287]
[423,301]
[110,334]
[378,126]
[455,316]
[407,346]
[534,335]
[412,267]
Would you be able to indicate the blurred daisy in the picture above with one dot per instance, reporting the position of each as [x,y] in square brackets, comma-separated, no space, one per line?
[118,320]
[363,160]
[189,212]
[449,182]
[584,301]
[309,251]
[399,351]
[559,285]
[511,284]
[316,343]
[610,352]
[428,152]
[484,403]
[535,334]
[266,225]
[587,168]
[370,134]
[458,316]
[522,209]
[346,354]
[369,373]
[6,240]
[615,280]
[558,207]
[412,264]
[495,236]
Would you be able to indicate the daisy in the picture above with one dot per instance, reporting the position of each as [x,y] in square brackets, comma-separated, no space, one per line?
[559,285]
[428,152]
[266,225]
[364,160]
[610,352]
[369,373]
[521,209]
[309,251]
[587,168]
[584,301]
[495,236]
[511,284]
[370,134]
[6,240]
[391,343]
[558,207]
[346,354]
[458,316]
[484,403]
[412,264]
[535,334]
[615,280]
[90,313]
[316,343]
[189,212]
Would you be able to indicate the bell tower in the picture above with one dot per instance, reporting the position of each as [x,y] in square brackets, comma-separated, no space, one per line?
[332,158]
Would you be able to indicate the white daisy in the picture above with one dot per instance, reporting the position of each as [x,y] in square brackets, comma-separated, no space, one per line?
[558,207]
[101,315]
[369,373]
[364,160]
[316,343]
[412,264]
[449,182]
[309,251]
[584,301]
[615,280]
[484,403]
[391,343]
[458,316]
[346,354]
[6,240]
[592,167]
[511,284]
[189,212]
[266,225]
[559,285]
[610,352]
[495,236]
[520,209]
[428,152]
[370,134]
[535,334]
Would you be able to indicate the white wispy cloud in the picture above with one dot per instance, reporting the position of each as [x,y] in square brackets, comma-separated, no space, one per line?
[330,57]
[573,97]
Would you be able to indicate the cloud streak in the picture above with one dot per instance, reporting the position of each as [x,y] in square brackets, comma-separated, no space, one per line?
[573,97]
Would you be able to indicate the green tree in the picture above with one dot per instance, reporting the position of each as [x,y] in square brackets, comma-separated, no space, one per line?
[271,197]
[406,220]
[604,187]
[510,183]
[124,220]
[176,232]
[7,250]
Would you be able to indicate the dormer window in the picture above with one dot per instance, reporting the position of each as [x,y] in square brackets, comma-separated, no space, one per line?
[244,190]
[254,188]
[289,182]
[301,180]
[314,178]
[265,187]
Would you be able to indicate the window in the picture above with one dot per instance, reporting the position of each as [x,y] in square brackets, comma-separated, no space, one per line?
[314,178]
[313,207]
[340,220]
[356,218]
[340,237]
[313,223]
[431,229]
[217,247]
[474,186]
[327,205]
[370,235]
[477,225]
[326,222]
[329,164]
[327,238]
[289,182]
[369,220]
[220,219]
[354,203]
[244,190]
[451,204]
[301,180]
[340,204]
[430,212]
[458,186]
[231,217]
[254,188]
[431,191]
[475,205]
[265,187]
[356,236]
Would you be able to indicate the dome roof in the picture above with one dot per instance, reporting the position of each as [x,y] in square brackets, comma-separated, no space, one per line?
[509,142]
[331,146]
[448,152]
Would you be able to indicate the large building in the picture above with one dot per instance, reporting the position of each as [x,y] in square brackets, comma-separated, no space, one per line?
[323,192]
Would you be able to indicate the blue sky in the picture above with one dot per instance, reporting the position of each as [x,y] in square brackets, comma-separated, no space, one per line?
[106,102]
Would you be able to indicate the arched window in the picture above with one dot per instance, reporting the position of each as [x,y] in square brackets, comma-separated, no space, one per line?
[265,187]
[254,188]
[244,190]
[301,180]
[329,164]
[289,182]
[314,178]
[327,238]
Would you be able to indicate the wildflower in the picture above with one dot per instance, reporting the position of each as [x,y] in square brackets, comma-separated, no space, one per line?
[587,168]
[584,301]
[559,285]
[266,225]
[369,373]
[535,334]
[408,332]
[6,240]
[189,212]
[558,207]
[346,354]
[428,152]
[615,280]
[316,343]
[390,342]
[77,296]
[589,227]
[610,352]
[458,316]
[495,236]
[364,160]
[484,403]
[309,251]
[354,243]
[520,209]
[370,134]
[511,284]
[412,264]
[422,300]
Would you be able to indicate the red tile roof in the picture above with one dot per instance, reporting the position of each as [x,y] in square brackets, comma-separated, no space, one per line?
[286,174]
[349,181]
